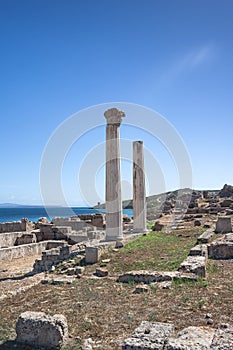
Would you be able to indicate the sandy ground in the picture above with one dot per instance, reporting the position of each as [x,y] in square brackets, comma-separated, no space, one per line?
[14,278]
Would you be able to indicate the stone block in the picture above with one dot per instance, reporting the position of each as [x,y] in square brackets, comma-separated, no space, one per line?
[197,223]
[157,226]
[79,270]
[141,289]
[206,236]
[223,225]
[146,277]
[221,250]
[191,338]
[101,272]
[92,255]
[26,238]
[149,336]
[200,249]
[194,264]
[223,339]
[39,329]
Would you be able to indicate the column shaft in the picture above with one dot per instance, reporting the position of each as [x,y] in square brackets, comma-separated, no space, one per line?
[139,191]
[113,176]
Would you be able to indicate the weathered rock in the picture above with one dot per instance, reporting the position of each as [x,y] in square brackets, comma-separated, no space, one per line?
[200,249]
[223,339]
[87,344]
[58,280]
[71,271]
[210,321]
[39,329]
[205,194]
[160,336]
[206,225]
[226,203]
[197,223]
[223,225]
[228,237]
[191,338]
[221,250]
[127,219]
[145,276]
[101,272]
[194,264]
[149,336]
[148,277]
[206,236]
[141,289]
[226,191]
[119,244]
[157,226]
[26,238]
[79,270]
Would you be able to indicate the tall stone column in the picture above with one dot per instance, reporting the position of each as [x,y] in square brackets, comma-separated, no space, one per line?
[113,175]
[139,190]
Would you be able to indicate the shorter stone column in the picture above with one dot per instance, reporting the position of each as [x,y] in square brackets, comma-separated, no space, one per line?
[139,191]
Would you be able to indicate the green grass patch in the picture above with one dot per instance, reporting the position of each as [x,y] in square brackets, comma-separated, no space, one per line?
[154,251]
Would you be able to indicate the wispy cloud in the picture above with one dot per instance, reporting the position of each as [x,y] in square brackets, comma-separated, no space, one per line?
[198,56]
[188,61]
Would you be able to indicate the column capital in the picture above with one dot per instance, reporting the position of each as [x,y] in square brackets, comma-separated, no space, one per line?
[114,116]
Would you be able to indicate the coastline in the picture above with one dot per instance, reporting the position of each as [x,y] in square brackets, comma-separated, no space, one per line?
[34,213]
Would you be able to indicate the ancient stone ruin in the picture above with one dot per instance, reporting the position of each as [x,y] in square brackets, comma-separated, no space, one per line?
[83,239]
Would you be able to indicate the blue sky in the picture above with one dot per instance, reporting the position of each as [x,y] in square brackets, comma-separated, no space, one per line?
[59,57]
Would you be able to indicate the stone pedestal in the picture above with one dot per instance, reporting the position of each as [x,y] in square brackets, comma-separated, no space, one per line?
[223,225]
[139,191]
[113,176]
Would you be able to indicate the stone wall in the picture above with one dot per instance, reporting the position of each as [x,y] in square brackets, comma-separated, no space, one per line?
[16,226]
[75,224]
[9,239]
[8,254]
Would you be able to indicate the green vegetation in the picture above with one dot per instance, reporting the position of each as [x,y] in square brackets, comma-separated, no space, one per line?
[155,251]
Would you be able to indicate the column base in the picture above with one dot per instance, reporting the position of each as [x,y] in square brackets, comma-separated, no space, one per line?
[138,230]
[113,238]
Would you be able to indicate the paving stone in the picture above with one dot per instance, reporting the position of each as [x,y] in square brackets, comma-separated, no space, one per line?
[191,338]
[149,336]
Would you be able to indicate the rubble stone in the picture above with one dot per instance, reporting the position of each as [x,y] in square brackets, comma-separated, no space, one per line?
[39,329]
[149,336]
[223,225]
[192,338]
[194,264]
[223,339]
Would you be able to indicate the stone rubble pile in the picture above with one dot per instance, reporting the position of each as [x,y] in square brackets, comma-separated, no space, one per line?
[54,256]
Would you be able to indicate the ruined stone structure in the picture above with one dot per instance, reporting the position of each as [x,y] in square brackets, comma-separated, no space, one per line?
[139,190]
[113,175]
[47,235]
[16,226]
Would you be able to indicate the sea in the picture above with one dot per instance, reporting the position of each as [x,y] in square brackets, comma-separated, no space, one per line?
[34,213]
